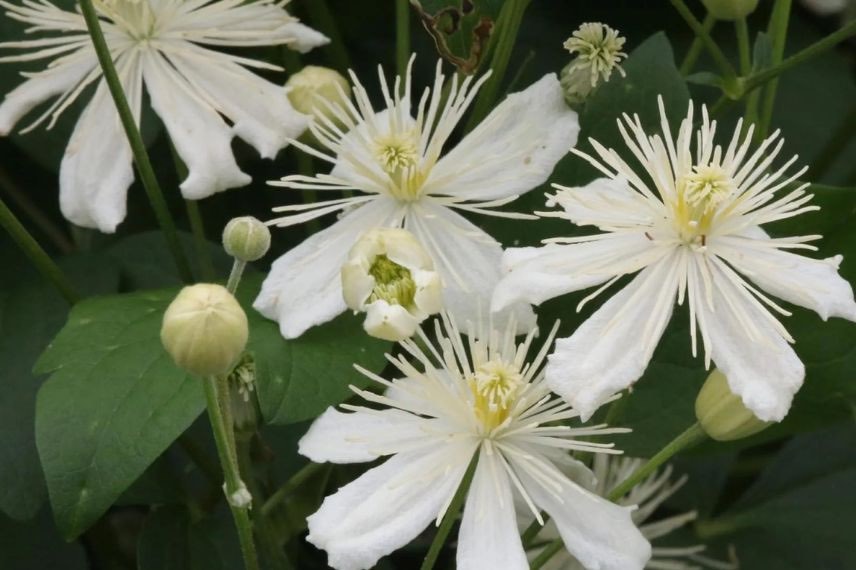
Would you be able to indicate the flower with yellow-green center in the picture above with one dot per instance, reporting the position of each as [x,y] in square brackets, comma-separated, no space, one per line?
[598,51]
[399,169]
[462,395]
[690,222]
[163,47]
[390,277]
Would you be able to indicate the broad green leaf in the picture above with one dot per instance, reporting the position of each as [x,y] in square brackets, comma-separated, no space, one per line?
[113,404]
[35,545]
[172,540]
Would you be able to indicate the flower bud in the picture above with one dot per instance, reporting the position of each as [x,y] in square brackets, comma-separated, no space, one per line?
[722,414]
[205,329]
[309,87]
[730,9]
[246,238]
[598,53]
[390,277]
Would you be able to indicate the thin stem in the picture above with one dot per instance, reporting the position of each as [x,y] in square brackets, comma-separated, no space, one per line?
[224,439]
[138,148]
[197,227]
[235,275]
[778,31]
[26,205]
[296,481]
[742,30]
[839,140]
[43,262]
[811,51]
[719,58]
[402,35]
[695,48]
[323,20]
[451,515]
[531,533]
[509,25]
[551,550]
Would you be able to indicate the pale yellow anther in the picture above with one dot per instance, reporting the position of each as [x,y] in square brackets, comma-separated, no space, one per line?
[495,386]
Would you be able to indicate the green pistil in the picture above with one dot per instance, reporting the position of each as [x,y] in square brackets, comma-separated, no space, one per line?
[393,283]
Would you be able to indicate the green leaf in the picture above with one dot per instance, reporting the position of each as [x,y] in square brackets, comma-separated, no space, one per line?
[113,404]
[298,379]
[35,545]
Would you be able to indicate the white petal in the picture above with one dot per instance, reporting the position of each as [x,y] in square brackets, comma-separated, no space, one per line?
[606,203]
[611,349]
[389,322]
[200,136]
[304,286]
[536,274]
[96,169]
[468,261]
[387,507]
[765,373]
[360,436]
[40,87]
[811,283]
[303,38]
[258,109]
[600,534]
[513,150]
[489,537]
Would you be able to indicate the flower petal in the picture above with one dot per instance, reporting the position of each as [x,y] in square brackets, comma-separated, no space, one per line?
[536,274]
[258,109]
[304,286]
[611,349]
[389,322]
[765,372]
[388,506]
[606,203]
[600,534]
[489,537]
[513,150]
[96,169]
[811,283]
[361,436]
[468,260]
[201,138]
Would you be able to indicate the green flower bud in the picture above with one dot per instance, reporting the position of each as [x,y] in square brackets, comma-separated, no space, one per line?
[313,84]
[246,238]
[722,414]
[730,9]
[205,329]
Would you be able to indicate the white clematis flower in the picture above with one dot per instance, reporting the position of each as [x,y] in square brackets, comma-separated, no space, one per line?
[692,225]
[393,158]
[649,495]
[159,44]
[390,277]
[478,395]
[598,51]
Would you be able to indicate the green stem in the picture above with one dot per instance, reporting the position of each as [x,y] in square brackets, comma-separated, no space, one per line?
[224,439]
[743,47]
[197,227]
[811,51]
[551,550]
[531,533]
[323,20]
[235,275]
[26,205]
[509,25]
[138,148]
[695,48]
[402,35]
[290,486]
[43,262]
[451,515]
[778,31]
[719,58]
[839,140]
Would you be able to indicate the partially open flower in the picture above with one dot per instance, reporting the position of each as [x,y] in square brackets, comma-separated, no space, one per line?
[598,53]
[205,329]
[722,414]
[391,278]
[316,90]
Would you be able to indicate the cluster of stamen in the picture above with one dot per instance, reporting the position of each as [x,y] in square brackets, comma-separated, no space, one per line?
[398,155]
[393,282]
[135,17]
[700,194]
[495,386]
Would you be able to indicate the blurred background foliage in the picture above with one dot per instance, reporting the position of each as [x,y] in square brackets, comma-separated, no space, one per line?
[785,498]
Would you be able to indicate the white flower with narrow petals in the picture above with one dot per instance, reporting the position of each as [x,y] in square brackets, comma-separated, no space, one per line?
[465,396]
[692,224]
[392,157]
[598,51]
[649,495]
[390,277]
[160,45]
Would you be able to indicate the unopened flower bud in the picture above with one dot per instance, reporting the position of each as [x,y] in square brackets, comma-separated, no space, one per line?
[722,414]
[313,86]
[730,9]
[598,53]
[205,329]
[391,278]
[246,238]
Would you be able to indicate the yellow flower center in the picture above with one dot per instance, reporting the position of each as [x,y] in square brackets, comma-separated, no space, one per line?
[398,155]
[393,283]
[700,194]
[495,386]
[135,17]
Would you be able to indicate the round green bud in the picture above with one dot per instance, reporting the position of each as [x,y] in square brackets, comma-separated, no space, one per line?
[312,84]
[722,414]
[730,9]
[205,329]
[246,238]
